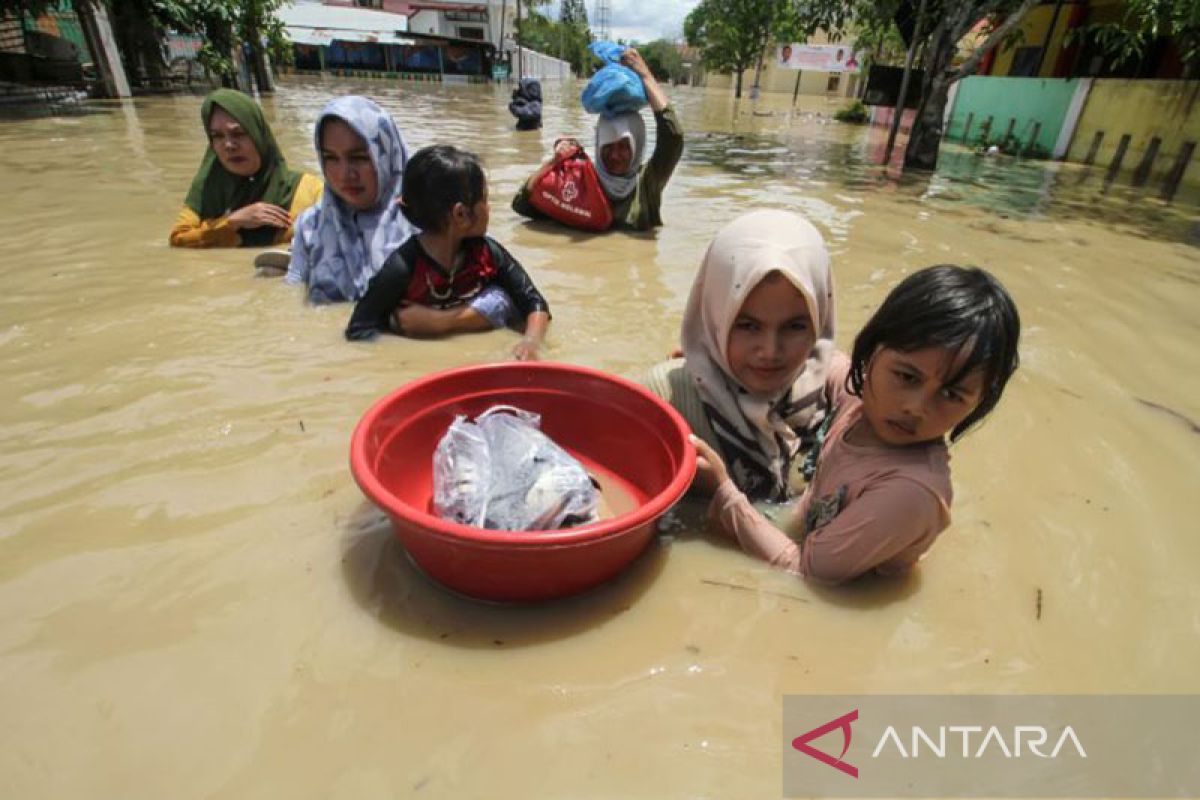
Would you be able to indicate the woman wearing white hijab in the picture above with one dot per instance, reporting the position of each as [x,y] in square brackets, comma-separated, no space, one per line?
[633,188]
[342,242]
[757,349]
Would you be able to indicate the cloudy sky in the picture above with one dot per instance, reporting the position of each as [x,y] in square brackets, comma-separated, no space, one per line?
[647,20]
[642,20]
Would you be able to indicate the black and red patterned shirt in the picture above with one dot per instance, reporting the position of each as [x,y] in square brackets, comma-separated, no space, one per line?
[412,276]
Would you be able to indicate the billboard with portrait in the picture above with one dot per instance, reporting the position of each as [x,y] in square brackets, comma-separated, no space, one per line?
[819,57]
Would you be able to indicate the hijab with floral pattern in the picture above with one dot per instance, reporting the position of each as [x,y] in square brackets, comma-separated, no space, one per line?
[338,249]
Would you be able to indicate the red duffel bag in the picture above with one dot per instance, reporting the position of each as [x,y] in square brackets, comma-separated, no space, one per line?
[569,191]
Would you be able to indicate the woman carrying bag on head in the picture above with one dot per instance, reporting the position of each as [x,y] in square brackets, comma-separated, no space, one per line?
[632,189]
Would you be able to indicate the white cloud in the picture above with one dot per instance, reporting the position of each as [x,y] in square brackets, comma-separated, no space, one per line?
[641,20]
[646,20]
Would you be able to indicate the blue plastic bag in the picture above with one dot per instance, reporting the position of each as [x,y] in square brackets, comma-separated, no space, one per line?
[615,88]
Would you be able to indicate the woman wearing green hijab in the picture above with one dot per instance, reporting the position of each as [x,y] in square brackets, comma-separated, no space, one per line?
[243,194]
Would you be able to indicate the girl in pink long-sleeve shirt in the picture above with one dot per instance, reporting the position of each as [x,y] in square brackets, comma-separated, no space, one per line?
[931,362]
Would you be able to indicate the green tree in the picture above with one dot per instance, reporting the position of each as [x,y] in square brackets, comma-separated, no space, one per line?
[567,38]
[1144,23]
[575,35]
[937,28]
[663,59]
[34,8]
[947,22]
[732,35]
[142,25]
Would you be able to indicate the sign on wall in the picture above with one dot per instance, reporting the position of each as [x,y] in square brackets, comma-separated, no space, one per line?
[820,57]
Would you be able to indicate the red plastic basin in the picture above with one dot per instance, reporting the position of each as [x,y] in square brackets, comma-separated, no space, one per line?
[627,436]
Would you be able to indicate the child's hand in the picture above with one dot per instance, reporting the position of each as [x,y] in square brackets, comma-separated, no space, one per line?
[418,320]
[526,349]
[564,146]
[710,468]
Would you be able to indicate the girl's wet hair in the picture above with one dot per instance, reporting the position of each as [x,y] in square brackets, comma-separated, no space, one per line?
[436,178]
[963,309]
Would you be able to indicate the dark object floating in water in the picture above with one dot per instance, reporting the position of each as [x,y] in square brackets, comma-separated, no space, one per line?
[1186,420]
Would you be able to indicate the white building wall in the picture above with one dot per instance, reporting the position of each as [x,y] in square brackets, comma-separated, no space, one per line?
[435,22]
[427,22]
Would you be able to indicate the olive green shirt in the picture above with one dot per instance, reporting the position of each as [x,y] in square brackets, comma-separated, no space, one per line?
[671,381]
[641,209]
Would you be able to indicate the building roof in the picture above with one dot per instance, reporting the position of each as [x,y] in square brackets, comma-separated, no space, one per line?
[410,7]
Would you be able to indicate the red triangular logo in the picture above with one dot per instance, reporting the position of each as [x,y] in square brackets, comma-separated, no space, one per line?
[843,722]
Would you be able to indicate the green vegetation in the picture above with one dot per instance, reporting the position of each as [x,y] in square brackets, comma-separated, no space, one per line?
[567,38]
[221,24]
[732,35]
[663,59]
[855,113]
[1146,22]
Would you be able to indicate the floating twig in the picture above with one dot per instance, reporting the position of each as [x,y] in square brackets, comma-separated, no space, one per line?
[1186,420]
[1039,603]
[784,595]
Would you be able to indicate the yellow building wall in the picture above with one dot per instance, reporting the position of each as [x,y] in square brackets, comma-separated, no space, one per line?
[779,79]
[1033,29]
[1036,22]
[1169,110]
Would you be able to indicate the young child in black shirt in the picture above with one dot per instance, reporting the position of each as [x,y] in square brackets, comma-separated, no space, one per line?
[451,277]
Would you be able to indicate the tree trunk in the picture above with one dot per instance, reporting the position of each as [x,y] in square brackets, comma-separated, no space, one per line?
[140,45]
[737,91]
[220,39]
[926,134]
[261,69]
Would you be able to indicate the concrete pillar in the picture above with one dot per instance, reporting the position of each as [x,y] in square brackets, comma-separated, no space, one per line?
[93,17]
[1074,112]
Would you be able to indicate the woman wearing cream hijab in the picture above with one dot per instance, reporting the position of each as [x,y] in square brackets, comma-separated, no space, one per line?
[757,348]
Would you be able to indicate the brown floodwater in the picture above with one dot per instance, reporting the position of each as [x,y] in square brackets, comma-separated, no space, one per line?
[196,601]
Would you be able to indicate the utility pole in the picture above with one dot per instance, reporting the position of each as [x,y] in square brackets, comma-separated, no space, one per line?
[500,41]
[603,20]
[517,39]
[503,14]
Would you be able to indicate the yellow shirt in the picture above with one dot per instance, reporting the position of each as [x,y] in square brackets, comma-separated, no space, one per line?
[191,231]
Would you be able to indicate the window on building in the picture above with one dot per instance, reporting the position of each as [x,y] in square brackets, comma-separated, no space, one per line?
[470,33]
[369,3]
[1025,62]
[835,80]
[466,16]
